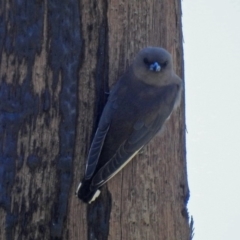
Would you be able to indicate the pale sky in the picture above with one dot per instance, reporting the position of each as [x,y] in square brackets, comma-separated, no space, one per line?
[211,31]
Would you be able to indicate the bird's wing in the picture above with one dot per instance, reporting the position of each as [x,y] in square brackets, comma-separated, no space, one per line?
[100,135]
[95,151]
[141,135]
[144,129]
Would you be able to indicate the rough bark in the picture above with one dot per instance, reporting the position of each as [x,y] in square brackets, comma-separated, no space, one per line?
[58,60]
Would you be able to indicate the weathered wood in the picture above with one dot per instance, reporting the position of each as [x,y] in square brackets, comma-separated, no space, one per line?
[58,60]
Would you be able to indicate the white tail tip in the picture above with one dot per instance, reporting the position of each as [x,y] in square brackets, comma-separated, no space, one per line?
[97,193]
[78,188]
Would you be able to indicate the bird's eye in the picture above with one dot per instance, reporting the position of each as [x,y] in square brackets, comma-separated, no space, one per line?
[163,65]
[145,60]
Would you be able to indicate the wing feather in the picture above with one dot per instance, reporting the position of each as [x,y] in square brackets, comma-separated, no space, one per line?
[95,151]
[112,167]
[127,151]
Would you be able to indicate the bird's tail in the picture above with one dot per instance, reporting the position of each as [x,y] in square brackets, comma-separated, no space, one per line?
[85,193]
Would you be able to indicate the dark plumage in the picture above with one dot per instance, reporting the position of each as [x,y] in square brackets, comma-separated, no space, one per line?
[137,107]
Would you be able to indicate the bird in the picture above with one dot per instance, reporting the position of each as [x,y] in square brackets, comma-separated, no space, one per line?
[138,105]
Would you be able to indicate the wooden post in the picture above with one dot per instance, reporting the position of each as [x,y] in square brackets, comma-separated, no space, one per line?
[58,60]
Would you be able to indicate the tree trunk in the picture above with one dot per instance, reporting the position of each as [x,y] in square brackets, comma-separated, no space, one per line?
[58,59]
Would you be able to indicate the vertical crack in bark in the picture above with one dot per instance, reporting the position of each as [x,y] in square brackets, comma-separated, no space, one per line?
[98,213]
[102,68]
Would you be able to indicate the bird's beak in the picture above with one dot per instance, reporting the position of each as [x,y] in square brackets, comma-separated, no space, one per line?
[155,67]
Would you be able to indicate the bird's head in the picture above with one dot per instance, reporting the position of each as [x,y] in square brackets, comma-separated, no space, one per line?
[153,65]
